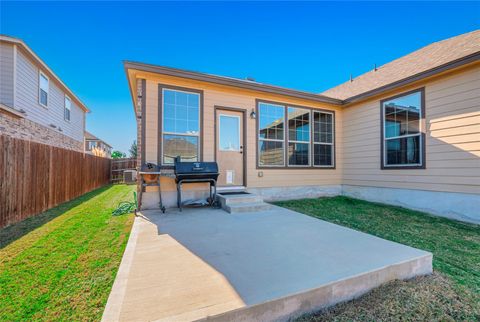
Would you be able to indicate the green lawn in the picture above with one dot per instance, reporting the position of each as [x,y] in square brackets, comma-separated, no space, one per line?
[61,264]
[452,293]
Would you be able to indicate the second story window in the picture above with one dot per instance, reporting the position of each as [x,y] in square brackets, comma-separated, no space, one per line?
[68,108]
[43,89]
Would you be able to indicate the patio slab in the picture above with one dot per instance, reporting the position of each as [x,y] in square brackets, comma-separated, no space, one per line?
[272,265]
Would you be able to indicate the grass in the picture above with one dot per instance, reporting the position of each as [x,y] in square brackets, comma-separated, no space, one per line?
[451,293]
[61,264]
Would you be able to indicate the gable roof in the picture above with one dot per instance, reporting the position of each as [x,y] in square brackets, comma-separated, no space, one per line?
[89,136]
[427,61]
[39,61]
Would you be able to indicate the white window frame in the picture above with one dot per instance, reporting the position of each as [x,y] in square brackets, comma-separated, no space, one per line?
[272,140]
[198,135]
[40,74]
[220,132]
[419,134]
[309,142]
[324,143]
[69,109]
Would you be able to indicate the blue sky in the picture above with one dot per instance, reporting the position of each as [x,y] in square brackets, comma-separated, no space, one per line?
[306,46]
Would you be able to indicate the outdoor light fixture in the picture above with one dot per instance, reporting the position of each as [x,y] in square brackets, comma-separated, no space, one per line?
[253,115]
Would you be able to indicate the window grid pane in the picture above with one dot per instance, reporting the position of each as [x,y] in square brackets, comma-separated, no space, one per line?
[179,145]
[298,124]
[271,121]
[322,127]
[271,153]
[298,154]
[322,154]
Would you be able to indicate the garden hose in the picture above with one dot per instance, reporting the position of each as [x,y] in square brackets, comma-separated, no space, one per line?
[126,207]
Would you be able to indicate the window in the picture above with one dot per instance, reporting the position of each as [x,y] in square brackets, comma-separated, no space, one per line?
[43,90]
[323,153]
[271,135]
[91,145]
[308,140]
[68,108]
[229,128]
[181,126]
[403,143]
[298,136]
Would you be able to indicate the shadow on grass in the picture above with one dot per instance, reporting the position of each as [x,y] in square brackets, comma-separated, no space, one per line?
[15,231]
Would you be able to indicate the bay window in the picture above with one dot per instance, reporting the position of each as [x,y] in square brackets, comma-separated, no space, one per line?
[180,125]
[403,141]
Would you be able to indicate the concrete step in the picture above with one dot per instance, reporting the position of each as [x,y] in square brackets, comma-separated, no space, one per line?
[238,199]
[247,207]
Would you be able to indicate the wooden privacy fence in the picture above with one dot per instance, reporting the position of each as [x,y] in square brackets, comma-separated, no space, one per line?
[120,165]
[35,177]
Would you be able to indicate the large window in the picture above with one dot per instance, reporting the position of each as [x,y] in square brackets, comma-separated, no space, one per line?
[298,136]
[271,135]
[68,108]
[402,135]
[43,89]
[290,136]
[323,152]
[181,126]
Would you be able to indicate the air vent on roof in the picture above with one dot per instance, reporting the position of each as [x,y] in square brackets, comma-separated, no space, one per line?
[251,79]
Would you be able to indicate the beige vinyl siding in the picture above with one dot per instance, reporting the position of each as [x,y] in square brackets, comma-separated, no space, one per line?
[27,99]
[7,74]
[217,95]
[452,107]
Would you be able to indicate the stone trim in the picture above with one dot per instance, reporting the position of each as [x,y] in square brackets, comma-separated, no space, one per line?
[25,129]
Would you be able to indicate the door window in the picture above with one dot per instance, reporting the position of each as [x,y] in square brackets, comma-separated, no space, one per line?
[229,129]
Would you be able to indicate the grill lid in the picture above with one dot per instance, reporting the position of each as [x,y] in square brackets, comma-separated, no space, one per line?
[197,168]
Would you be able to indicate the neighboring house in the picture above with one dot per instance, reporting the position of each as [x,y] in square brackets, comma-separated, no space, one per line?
[406,133]
[35,104]
[94,143]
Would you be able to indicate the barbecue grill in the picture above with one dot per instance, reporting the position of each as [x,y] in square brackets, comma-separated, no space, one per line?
[150,176]
[193,172]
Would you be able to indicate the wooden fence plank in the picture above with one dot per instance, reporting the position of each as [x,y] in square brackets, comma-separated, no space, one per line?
[35,177]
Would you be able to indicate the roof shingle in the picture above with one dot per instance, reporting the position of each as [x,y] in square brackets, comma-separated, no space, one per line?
[424,59]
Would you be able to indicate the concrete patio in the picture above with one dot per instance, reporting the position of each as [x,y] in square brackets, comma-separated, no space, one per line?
[263,266]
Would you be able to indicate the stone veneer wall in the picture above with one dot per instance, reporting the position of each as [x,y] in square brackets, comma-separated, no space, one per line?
[22,128]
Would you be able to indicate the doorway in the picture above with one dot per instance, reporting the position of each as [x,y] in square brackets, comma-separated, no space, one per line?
[230,146]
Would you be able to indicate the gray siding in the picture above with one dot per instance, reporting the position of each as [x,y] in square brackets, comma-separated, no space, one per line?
[27,99]
[6,74]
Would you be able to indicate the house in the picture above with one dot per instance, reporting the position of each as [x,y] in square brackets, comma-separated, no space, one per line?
[94,145]
[35,104]
[406,133]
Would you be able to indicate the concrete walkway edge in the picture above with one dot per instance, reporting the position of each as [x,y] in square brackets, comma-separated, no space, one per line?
[117,294]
